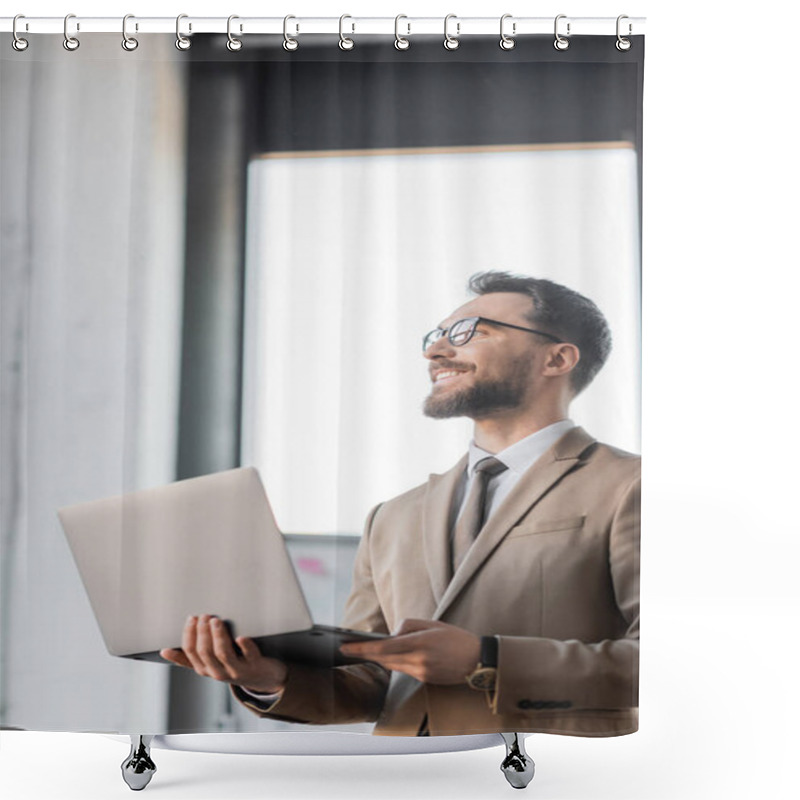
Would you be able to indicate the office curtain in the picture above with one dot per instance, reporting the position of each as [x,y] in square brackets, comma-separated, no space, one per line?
[216,258]
[92,278]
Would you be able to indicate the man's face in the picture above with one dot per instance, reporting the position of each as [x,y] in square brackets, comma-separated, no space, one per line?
[495,371]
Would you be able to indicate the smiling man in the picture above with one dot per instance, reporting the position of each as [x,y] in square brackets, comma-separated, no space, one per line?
[510,582]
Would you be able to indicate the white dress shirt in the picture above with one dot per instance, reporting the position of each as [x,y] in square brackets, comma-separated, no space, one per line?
[518,457]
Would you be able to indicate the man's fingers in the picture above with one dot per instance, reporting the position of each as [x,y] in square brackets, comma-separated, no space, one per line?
[382,647]
[189,635]
[189,645]
[414,625]
[249,648]
[176,657]
[223,644]
[209,649]
[364,649]
[393,661]
[205,647]
[399,663]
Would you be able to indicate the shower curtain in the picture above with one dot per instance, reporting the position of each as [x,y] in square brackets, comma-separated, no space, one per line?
[227,256]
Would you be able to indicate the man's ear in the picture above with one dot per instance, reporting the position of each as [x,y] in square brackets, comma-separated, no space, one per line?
[561,359]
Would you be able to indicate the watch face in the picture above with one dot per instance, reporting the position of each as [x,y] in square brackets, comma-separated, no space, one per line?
[484,678]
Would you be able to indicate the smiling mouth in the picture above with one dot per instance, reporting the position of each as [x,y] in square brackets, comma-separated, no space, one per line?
[446,374]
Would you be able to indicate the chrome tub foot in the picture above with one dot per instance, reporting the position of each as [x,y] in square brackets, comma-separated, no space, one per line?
[138,768]
[517,766]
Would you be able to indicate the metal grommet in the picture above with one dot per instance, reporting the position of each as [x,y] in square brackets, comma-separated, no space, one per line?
[233,44]
[129,43]
[181,42]
[289,43]
[451,42]
[506,42]
[344,42]
[400,42]
[623,44]
[561,43]
[70,43]
[18,43]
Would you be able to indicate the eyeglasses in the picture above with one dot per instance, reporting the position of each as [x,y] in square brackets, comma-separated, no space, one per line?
[460,332]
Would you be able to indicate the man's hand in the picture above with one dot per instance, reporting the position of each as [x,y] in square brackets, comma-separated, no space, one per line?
[431,652]
[208,649]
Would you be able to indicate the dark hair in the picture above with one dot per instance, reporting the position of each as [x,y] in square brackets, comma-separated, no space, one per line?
[561,311]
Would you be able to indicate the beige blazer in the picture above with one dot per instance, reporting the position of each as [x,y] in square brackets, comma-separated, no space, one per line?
[554,574]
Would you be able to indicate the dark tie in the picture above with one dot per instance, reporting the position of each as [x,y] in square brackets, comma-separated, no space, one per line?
[472,516]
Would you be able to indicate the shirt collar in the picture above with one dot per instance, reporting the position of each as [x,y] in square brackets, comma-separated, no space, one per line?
[521,455]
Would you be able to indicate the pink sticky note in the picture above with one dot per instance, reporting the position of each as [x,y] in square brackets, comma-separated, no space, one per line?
[312,565]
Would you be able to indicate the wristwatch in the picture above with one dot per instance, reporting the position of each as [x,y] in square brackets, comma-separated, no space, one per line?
[484,677]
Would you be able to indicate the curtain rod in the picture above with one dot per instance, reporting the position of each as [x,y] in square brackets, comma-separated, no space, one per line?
[402,26]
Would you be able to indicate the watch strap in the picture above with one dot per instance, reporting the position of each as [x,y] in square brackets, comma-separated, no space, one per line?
[489,648]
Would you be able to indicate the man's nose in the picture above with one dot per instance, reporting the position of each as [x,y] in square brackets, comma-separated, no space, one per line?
[442,347]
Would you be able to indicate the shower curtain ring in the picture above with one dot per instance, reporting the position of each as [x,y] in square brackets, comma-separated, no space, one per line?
[233,44]
[18,43]
[561,43]
[344,42]
[289,43]
[400,42]
[506,42]
[622,43]
[451,42]
[129,43]
[181,42]
[70,43]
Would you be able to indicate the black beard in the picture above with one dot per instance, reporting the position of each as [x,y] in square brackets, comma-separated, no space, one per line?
[477,401]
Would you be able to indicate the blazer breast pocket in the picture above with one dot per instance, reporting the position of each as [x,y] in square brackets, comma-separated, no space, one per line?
[535,527]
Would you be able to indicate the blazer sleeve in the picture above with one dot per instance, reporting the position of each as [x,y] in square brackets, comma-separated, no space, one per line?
[353,693]
[540,675]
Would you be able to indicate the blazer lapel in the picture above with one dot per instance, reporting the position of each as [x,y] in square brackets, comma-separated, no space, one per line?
[436,526]
[549,469]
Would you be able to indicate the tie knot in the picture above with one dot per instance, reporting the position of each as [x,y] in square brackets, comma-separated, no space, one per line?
[490,467]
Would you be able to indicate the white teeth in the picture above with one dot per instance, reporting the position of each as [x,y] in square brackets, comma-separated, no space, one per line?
[445,374]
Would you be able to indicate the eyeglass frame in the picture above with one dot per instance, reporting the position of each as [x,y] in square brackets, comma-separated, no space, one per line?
[477,321]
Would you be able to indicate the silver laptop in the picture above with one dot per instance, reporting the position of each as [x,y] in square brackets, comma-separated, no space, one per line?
[207,545]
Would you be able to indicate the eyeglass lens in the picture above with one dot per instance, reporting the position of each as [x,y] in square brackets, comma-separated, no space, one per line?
[459,333]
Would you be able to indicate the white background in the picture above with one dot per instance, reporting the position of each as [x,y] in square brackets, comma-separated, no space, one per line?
[718,693]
